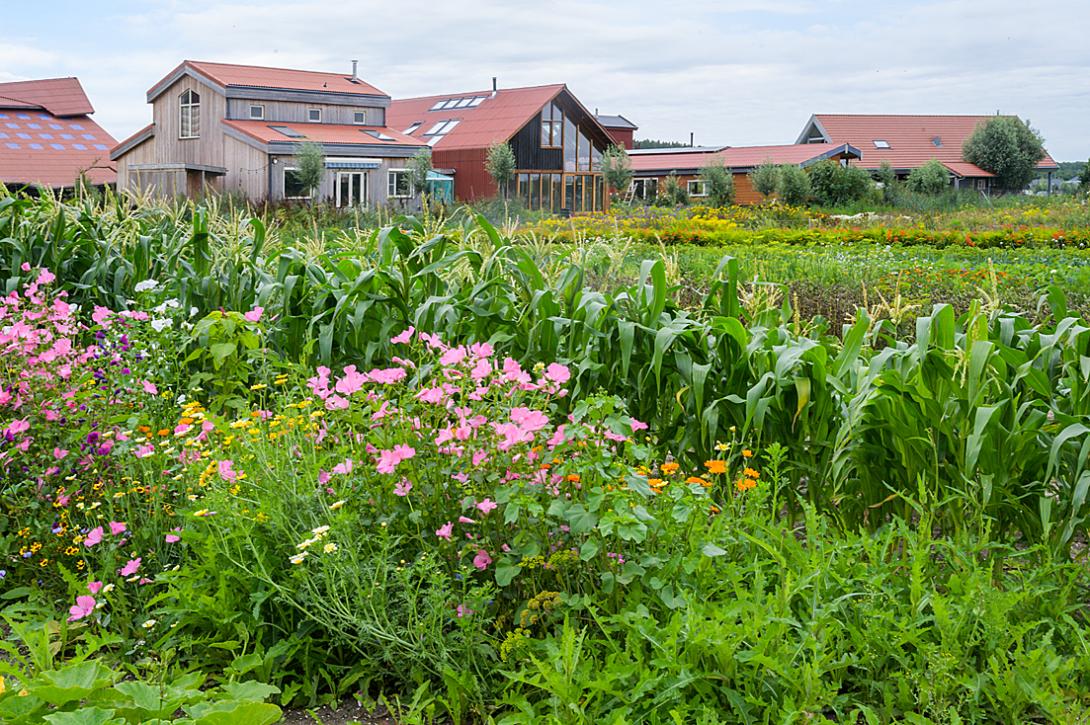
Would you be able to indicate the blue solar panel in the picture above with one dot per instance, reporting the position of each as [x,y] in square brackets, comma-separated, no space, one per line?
[43,116]
[22,115]
[89,136]
[3,115]
[59,147]
[77,126]
[79,147]
[3,135]
[23,135]
[46,136]
[100,146]
[56,126]
[36,146]
[12,145]
[12,125]
[33,125]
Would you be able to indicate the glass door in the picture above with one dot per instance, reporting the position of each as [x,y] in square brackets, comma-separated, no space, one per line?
[350,188]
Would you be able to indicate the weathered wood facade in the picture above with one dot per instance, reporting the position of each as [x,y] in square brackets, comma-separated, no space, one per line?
[237,129]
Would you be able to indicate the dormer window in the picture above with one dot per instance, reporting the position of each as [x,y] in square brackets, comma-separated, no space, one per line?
[881,143]
[189,115]
[257,113]
[359,118]
[314,115]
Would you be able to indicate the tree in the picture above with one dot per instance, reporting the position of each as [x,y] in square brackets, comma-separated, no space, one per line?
[672,192]
[765,179]
[888,179]
[311,166]
[650,143]
[834,184]
[1008,148]
[1084,177]
[616,168]
[419,168]
[793,185]
[931,178]
[500,165]
[718,184]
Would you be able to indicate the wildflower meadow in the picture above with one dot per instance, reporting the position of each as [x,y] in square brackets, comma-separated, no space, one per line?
[452,473]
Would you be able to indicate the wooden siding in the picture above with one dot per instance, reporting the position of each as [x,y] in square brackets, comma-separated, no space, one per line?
[247,169]
[141,154]
[294,112]
[376,181]
[471,181]
[744,193]
[529,154]
[208,149]
[621,136]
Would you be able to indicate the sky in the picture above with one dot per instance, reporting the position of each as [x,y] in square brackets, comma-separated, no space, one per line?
[735,72]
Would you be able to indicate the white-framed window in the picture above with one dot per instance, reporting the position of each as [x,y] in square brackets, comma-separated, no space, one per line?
[881,143]
[293,185]
[359,118]
[696,188]
[257,112]
[189,118]
[399,183]
[415,125]
[314,115]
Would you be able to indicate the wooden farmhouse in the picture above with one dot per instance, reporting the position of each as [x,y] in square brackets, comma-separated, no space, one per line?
[218,127]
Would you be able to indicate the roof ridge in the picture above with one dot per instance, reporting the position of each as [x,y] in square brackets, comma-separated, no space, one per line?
[484,91]
[271,67]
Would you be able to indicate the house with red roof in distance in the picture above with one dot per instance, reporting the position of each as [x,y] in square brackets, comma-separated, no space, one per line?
[907,142]
[47,137]
[650,167]
[238,129]
[556,142]
[620,129]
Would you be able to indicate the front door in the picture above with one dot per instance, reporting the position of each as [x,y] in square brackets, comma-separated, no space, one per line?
[350,188]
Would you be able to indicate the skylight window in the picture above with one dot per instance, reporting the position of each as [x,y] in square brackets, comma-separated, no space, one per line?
[475,101]
[439,130]
[412,128]
[290,133]
[435,129]
[463,103]
[438,105]
[937,140]
[379,135]
[880,143]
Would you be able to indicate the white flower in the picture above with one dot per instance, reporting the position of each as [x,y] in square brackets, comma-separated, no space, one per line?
[298,558]
[149,624]
[147,284]
[161,323]
[193,311]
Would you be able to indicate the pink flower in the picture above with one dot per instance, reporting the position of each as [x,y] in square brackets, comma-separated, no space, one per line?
[482,560]
[254,315]
[149,388]
[481,370]
[94,536]
[465,520]
[487,505]
[431,395]
[143,451]
[227,471]
[59,453]
[117,527]
[45,277]
[130,568]
[557,373]
[84,605]
[172,538]
[481,349]
[637,425]
[388,460]
[94,587]
[323,477]
[342,468]
[404,338]
[403,487]
[613,436]
[444,531]
[463,611]
[351,382]
[386,376]
[453,356]
[529,420]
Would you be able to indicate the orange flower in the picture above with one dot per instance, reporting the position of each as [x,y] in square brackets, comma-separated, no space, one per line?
[654,482]
[744,484]
[573,478]
[714,509]
[670,467]
[746,453]
[716,466]
[696,479]
[751,473]
[163,432]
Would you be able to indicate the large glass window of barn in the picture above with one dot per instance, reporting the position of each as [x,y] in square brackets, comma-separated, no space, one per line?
[569,145]
[189,120]
[552,127]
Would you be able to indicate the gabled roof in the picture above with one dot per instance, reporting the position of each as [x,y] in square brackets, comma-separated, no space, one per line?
[739,158]
[58,96]
[912,139]
[324,133]
[230,75]
[47,138]
[616,122]
[964,169]
[496,118]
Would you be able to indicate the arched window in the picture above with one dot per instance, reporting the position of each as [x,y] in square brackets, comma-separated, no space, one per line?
[189,125]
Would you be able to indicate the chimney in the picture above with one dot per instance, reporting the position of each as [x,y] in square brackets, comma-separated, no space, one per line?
[691,144]
[355,64]
[494,86]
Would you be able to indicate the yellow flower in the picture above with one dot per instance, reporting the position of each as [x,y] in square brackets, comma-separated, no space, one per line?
[320,531]
[258,386]
[329,548]
[336,505]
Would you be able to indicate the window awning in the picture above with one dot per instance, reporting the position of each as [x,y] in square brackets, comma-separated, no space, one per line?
[348,162]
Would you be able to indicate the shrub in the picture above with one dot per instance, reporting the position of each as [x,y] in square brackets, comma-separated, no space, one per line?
[888,179]
[672,193]
[766,179]
[616,168]
[793,185]
[1008,148]
[718,184]
[835,184]
[311,162]
[931,178]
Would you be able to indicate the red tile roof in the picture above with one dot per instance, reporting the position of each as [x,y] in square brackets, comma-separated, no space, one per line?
[735,157]
[964,168]
[253,76]
[497,118]
[910,137]
[46,138]
[266,132]
[59,96]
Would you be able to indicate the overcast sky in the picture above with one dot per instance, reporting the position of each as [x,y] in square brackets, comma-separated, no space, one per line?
[733,72]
